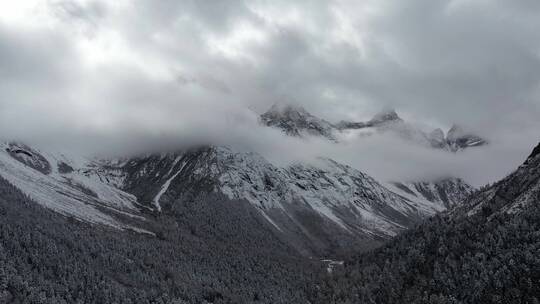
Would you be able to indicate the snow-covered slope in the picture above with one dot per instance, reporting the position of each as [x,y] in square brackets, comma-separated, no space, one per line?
[329,193]
[316,206]
[440,194]
[59,183]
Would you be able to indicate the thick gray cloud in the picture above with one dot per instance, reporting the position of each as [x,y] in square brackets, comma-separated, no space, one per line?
[129,74]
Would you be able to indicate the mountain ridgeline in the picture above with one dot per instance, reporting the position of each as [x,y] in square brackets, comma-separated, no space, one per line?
[212,224]
[296,121]
[320,208]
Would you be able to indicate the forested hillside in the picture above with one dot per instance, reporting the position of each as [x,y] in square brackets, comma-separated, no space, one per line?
[488,251]
[443,261]
[47,258]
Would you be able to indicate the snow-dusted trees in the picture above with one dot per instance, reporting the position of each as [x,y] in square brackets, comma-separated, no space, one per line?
[212,255]
[476,259]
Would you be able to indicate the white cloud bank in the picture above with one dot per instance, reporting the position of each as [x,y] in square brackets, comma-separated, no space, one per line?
[130,75]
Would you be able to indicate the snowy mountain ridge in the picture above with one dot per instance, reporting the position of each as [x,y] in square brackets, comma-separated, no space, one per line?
[296,121]
[50,180]
[313,205]
[314,201]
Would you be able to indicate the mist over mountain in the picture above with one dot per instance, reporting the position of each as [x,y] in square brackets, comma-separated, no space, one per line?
[94,76]
[259,151]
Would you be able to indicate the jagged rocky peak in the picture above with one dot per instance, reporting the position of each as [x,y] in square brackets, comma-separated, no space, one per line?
[436,138]
[385,116]
[286,110]
[458,139]
[382,118]
[296,121]
[533,156]
[518,192]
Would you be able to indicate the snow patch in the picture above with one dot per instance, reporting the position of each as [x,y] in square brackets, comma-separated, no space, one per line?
[167,184]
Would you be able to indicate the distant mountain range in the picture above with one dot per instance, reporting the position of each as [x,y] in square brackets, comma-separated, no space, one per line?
[319,207]
[296,121]
[212,224]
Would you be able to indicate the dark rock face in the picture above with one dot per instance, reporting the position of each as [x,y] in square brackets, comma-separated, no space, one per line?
[29,157]
[534,153]
[296,121]
[380,119]
[64,168]
[349,125]
[459,139]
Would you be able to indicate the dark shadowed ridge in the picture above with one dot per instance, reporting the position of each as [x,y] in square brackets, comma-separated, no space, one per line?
[534,153]
[296,121]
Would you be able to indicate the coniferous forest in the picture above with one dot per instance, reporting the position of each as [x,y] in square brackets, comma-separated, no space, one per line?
[48,258]
[446,261]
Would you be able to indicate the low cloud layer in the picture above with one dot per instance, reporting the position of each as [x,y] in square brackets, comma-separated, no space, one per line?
[134,75]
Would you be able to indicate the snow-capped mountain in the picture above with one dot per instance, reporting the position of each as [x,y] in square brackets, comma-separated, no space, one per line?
[439,194]
[389,121]
[340,194]
[316,206]
[58,182]
[296,121]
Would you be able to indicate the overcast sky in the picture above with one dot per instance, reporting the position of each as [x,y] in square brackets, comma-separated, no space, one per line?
[119,73]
